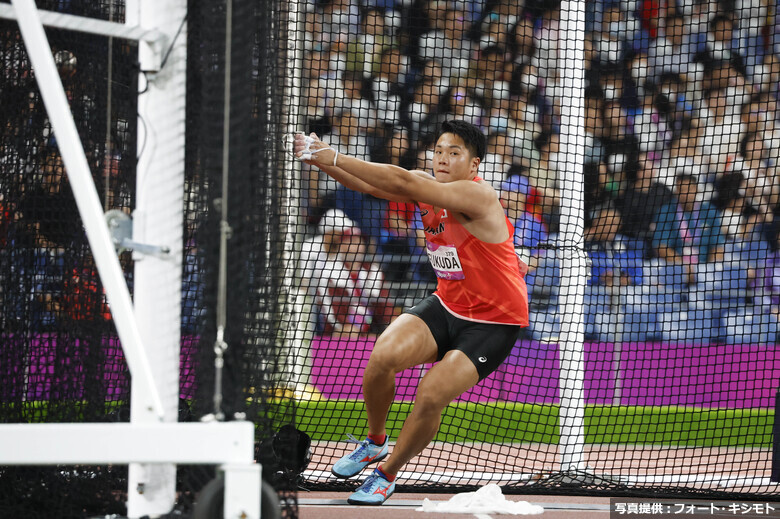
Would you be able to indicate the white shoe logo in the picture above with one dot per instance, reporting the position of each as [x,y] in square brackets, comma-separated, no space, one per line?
[483,359]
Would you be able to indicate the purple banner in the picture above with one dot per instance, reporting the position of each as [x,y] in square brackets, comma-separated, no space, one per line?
[56,366]
[51,366]
[652,374]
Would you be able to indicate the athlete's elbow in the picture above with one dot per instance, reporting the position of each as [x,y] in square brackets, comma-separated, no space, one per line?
[398,183]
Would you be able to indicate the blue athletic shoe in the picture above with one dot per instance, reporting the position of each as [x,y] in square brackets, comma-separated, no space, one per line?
[374,491]
[352,464]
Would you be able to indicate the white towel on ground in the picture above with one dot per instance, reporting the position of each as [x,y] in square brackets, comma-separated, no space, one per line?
[487,499]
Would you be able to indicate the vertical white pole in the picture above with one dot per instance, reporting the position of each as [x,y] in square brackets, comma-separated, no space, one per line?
[158,220]
[572,413]
[299,352]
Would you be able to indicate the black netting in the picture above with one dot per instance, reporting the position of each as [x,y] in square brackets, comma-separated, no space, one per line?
[678,142]
[60,358]
[253,371]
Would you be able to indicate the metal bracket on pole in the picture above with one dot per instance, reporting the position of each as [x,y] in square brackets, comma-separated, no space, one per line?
[120,226]
[152,48]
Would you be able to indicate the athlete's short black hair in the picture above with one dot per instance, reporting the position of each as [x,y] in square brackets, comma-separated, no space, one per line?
[474,139]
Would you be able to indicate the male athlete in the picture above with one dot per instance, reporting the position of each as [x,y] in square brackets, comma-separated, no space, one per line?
[469,325]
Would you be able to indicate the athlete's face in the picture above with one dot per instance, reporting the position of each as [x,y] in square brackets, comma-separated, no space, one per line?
[452,160]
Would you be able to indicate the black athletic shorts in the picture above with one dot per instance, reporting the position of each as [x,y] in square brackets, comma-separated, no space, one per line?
[487,345]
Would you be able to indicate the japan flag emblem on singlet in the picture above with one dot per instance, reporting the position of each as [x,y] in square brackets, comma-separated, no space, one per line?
[445,261]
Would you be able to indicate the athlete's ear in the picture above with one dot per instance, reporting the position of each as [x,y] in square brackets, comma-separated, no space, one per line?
[475,164]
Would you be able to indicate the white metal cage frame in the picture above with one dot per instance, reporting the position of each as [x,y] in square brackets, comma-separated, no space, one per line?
[152,443]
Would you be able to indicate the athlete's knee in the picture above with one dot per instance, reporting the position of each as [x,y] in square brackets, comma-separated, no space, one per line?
[381,361]
[430,400]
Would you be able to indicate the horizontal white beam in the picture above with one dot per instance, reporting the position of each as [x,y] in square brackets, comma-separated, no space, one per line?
[85,24]
[124,443]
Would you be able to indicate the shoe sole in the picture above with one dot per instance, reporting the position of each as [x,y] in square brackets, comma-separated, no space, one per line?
[366,503]
[344,476]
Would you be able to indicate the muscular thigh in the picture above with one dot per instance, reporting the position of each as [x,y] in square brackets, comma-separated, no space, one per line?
[407,342]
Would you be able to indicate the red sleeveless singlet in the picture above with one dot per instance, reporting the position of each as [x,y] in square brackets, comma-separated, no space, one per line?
[477,281]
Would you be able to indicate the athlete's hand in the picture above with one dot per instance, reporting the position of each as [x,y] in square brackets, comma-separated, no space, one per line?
[306,148]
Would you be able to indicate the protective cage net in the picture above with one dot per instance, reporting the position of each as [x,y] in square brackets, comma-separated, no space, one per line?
[680,239]
[60,357]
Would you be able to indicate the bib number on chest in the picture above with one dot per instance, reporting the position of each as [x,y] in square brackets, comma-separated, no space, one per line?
[445,261]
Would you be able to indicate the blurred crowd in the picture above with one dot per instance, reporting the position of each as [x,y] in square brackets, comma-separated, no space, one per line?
[680,131]
[48,278]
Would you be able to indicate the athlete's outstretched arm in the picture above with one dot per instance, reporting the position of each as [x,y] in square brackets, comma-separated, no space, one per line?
[396,183]
[325,163]
[354,183]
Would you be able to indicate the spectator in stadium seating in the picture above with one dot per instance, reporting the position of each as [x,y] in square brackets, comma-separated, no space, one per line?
[758,113]
[719,47]
[498,158]
[499,104]
[351,95]
[364,49]
[349,289]
[339,19]
[650,125]
[523,131]
[751,18]
[722,131]
[49,206]
[15,63]
[594,125]
[685,152]
[618,136]
[82,297]
[495,29]
[687,230]
[498,16]
[767,76]
[464,105]
[760,173]
[741,226]
[524,81]
[348,134]
[675,100]
[758,116]
[320,88]
[313,249]
[448,42]
[522,44]
[615,87]
[641,200]
[673,52]
[486,73]
[614,34]
[730,201]
[548,39]
[402,236]
[545,179]
[530,232]
[428,107]
[615,259]
[46,223]
[389,89]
